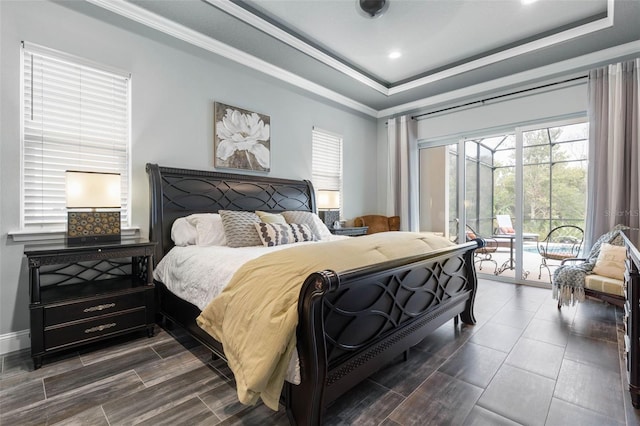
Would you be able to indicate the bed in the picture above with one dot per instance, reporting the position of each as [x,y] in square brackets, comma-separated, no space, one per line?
[414,295]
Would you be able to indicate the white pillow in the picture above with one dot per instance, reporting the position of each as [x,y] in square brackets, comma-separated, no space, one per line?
[183,233]
[209,229]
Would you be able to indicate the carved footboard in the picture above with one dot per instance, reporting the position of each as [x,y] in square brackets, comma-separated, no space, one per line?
[354,323]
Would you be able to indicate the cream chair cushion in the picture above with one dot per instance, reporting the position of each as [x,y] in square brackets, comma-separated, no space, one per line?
[604,284]
[610,261]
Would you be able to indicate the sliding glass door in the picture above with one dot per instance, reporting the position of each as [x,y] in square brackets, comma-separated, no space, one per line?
[512,188]
[554,168]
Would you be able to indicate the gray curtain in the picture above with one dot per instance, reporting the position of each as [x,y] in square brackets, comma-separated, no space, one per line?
[614,148]
[402,172]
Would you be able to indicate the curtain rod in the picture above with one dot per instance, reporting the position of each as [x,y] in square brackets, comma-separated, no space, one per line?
[481,101]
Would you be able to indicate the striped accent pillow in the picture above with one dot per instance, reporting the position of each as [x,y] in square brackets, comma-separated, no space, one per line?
[276,234]
[310,219]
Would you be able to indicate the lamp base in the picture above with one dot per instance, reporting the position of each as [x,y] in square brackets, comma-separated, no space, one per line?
[329,217]
[84,228]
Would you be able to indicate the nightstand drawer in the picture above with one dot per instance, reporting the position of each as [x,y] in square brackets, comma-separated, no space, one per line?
[77,310]
[351,231]
[81,331]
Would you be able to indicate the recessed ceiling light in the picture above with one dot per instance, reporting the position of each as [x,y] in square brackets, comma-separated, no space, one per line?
[528,1]
[395,54]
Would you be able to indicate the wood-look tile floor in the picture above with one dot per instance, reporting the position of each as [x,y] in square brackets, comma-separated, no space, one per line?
[524,362]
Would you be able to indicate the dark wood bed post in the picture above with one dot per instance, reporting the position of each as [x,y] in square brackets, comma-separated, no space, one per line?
[467,316]
[155,215]
[305,405]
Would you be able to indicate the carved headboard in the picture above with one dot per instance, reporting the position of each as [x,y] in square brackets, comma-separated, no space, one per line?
[175,193]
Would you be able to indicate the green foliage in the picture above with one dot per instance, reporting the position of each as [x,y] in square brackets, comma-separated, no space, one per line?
[555,191]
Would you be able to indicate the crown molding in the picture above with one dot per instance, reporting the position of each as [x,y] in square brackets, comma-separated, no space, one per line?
[152,20]
[255,21]
[532,46]
[279,34]
[580,63]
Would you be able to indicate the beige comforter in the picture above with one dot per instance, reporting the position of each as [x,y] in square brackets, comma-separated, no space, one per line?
[256,315]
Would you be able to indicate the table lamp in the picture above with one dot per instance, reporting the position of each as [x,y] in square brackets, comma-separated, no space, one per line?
[328,206]
[86,193]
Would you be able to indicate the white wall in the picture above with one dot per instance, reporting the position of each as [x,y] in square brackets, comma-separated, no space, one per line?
[528,108]
[174,86]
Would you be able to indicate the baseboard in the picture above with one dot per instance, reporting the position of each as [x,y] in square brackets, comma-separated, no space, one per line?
[15,341]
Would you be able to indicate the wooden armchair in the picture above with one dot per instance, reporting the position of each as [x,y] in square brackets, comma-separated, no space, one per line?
[378,223]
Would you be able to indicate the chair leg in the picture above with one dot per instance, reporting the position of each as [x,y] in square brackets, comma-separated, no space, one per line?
[487,259]
[544,265]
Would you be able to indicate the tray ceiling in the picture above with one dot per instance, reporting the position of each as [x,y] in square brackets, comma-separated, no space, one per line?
[331,49]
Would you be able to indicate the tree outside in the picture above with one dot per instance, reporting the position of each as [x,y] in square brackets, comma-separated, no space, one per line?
[554,179]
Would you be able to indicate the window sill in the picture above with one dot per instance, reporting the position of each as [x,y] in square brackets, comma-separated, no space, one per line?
[59,236]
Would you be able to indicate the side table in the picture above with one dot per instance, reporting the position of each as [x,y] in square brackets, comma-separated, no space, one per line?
[82,294]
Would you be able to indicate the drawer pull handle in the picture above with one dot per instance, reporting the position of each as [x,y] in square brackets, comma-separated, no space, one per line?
[99,328]
[100,307]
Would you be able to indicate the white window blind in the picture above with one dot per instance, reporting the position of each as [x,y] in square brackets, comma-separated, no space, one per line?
[326,160]
[76,116]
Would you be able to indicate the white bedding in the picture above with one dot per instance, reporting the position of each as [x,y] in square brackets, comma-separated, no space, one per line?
[198,274]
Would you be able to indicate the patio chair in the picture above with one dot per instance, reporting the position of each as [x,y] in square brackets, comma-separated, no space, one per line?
[505,227]
[483,254]
[504,224]
[562,242]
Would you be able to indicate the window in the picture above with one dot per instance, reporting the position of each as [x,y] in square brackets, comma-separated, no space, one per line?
[536,175]
[76,116]
[326,161]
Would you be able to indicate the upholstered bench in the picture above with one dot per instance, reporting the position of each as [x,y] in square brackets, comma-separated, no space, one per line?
[606,280]
[607,289]
[604,284]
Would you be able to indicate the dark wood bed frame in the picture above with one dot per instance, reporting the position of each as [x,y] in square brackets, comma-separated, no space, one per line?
[350,324]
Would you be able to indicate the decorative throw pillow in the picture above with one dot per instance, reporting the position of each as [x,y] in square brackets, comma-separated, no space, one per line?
[239,228]
[276,234]
[319,229]
[323,232]
[209,229]
[610,261]
[183,233]
[270,217]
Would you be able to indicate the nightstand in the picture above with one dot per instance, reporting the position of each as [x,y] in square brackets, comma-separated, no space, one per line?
[353,231]
[83,294]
